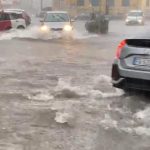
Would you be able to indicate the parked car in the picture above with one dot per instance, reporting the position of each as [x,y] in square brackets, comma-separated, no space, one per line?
[57,21]
[135,17]
[13,19]
[131,67]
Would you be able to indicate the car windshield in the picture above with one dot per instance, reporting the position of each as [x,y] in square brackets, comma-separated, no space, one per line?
[56,17]
[135,14]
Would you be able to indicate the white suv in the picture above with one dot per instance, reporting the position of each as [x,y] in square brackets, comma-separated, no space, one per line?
[13,19]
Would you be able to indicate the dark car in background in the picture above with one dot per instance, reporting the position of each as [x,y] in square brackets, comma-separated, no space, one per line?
[131,68]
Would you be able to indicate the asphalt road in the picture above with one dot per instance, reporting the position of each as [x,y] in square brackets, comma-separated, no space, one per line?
[56,94]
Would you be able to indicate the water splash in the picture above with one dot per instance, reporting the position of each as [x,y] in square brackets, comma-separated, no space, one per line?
[40,95]
[34,32]
[103,88]
[83,35]
[64,89]
[29,33]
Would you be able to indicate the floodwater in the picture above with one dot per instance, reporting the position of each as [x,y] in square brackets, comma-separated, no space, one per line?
[56,94]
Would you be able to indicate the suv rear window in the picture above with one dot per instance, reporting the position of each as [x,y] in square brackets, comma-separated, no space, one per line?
[4,16]
[15,16]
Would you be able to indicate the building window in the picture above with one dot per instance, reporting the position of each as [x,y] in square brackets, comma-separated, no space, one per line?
[147,3]
[111,3]
[126,3]
[95,2]
[80,2]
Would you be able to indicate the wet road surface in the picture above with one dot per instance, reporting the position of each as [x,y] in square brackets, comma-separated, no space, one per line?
[57,95]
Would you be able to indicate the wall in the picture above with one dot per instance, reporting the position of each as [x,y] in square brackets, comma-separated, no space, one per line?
[117,9]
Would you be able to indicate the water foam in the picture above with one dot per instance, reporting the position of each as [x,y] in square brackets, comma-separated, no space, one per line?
[30,33]
[40,95]
[142,131]
[64,89]
[103,88]
[65,117]
[66,111]
[83,35]
[108,122]
[138,123]
[34,32]
[144,119]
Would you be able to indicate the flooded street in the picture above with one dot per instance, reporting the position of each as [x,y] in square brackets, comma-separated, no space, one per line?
[56,94]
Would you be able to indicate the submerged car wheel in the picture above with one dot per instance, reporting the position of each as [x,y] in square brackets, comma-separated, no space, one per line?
[21,27]
[104,30]
[68,37]
[91,27]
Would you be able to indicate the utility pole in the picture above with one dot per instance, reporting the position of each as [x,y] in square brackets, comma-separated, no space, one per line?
[107,7]
[41,4]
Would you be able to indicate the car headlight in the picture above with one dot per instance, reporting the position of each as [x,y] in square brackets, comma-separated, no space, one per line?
[68,28]
[44,28]
[140,21]
[127,20]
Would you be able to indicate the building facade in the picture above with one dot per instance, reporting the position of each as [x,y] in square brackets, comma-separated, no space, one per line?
[113,7]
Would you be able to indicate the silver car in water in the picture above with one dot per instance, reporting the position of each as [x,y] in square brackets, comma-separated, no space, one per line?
[131,67]
[135,17]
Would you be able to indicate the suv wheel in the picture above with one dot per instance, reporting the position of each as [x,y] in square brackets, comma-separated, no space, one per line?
[21,27]
[8,28]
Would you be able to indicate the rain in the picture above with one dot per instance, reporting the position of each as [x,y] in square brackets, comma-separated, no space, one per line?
[56,61]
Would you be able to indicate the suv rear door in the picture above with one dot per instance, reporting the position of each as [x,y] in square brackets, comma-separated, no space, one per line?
[5,23]
[27,18]
[17,20]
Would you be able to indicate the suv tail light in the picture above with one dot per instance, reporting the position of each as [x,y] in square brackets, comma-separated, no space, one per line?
[23,16]
[119,49]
